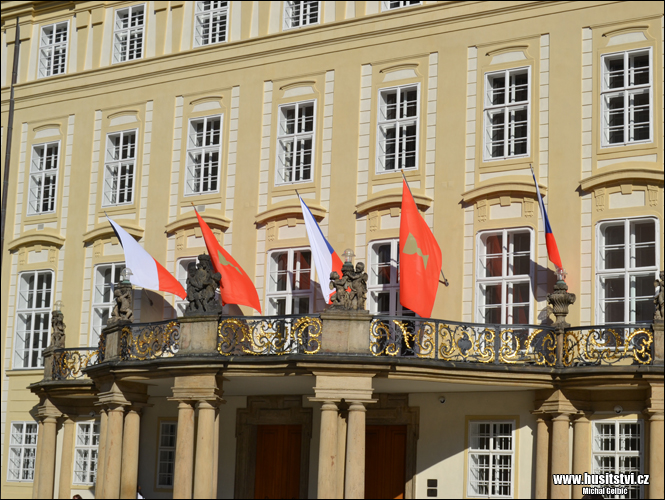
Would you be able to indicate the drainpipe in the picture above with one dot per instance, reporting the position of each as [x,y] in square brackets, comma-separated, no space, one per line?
[8,148]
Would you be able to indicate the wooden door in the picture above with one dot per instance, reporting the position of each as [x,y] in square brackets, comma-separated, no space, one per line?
[385,461]
[278,461]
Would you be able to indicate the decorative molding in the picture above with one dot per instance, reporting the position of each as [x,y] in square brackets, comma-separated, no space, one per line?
[504,50]
[304,83]
[289,209]
[127,112]
[515,187]
[373,220]
[528,207]
[481,210]
[391,198]
[400,67]
[621,173]
[623,31]
[203,100]
[599,196]
[653,195]
[213,218]
[271,231]
[106,231]
[45,237]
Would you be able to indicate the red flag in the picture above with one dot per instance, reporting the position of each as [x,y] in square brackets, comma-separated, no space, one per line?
[236,286]
[419,259]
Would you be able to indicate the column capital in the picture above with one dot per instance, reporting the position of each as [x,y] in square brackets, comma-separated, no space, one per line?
[563,416]
[581,417]
[654,415]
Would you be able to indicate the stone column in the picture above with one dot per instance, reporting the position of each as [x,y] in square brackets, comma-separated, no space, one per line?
[327,485]
[215,465]
[656,455]
[355,451]
[67,458]
[184,452]
[130,454]
[204,450]
[38,458]
[581,450]
[560,453]
[113,462]
[101,454]
[47,466]
[341,452]
[542,456]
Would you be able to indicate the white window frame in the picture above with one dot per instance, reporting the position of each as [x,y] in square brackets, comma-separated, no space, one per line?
[160,449]
[506,280]
[284,138]
[86,448]
[289,294]
[48,50]
[201,39]
[492,453]
[374,288]
[627,271]
[26,307]
[112,180]
[120,54]
[100,310]
[507,108]
[22,447]
[606,93]
[38,176]
[385,5]
[303,17]
[192,178]
[597,453]
[397,123]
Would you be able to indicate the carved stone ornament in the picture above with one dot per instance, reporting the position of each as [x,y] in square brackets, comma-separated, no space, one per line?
[659,299]
[123,311]
[58,330]
[559,300]
[202,283]
[350,289]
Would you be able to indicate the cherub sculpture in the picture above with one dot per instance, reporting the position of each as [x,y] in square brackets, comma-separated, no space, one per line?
[340,298]
[202,283]
[123,310]
[351,288]
[58,330]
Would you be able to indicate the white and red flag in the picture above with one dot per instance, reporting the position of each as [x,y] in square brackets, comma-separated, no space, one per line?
[146,271]
[550,242]
[326,259]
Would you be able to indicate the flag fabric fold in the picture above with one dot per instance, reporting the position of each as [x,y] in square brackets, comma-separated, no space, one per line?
[550,242]
[419,259]
[236,286]
[146,271]
[325,258]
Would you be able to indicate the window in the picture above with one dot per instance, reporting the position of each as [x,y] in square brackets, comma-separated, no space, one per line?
[507,114]
[617,449]
[204,150]
[34,318]
[290,289]
[298,14]
[119,168]
[53,50]
[383,282]
[128,33]
[43,178]
[106,277]
[505,264]
[22,451]
[626,266]
[626,98]
[398,129]
[181,275]
[211,23]
[166,460]
[295,142]
[87,444]
[491,459]
[398,5]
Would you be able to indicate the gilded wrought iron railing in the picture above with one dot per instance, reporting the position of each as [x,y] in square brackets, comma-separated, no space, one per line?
[69,363]
[141,341]
[462,342]
[629,344]
[266,335]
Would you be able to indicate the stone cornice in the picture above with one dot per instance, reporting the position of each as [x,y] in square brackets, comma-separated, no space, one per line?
[288,209]
[213,219]
[106,231]
[45,237]
[391,198]
[507,186]
[622,173]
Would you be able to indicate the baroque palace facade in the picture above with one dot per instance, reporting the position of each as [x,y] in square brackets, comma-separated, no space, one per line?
[142,110]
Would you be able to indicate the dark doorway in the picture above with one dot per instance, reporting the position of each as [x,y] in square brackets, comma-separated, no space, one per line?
[278,461]
[385,461]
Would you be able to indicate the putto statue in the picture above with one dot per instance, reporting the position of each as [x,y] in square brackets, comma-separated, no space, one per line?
[202,283]
[659,299]
[58,329]
[123,311]
[350,289]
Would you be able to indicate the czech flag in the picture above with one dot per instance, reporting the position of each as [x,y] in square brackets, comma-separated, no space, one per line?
[146,271]
[552,249]
[326,259]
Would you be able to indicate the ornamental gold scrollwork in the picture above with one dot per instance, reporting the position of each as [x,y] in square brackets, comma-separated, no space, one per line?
[546,354]
[69,364]
[641,340]
[607,346]
[510,347]
[150,341]
[379,335]
[308,331]
[230,332]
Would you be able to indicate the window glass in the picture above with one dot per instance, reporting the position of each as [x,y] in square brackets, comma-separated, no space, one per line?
[119,169]
[290,286]
[295,143]
[397,129]
[128,33]
[166,454]
[22,451]
[106,277]
[43,178]
[618,449]
[53,49]
[85,454]
[211,23]
[383,282]
[33,318]
[300,13]
[204,152]
[491,458]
